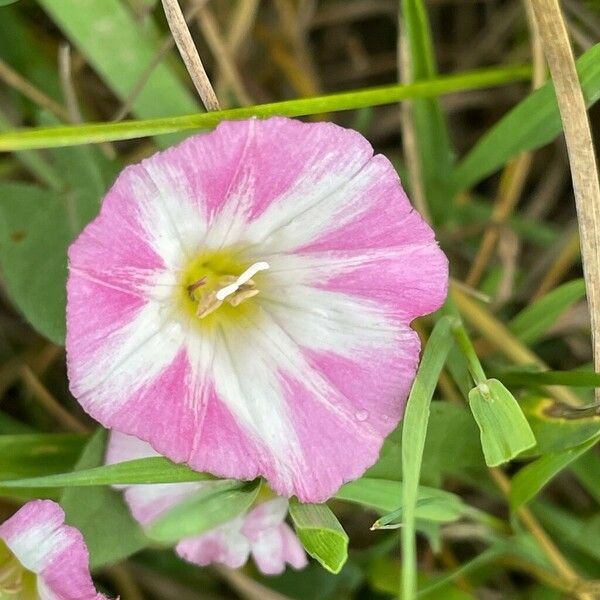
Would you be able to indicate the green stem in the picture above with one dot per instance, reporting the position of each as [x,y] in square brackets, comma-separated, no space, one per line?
[466,347]
[51,137]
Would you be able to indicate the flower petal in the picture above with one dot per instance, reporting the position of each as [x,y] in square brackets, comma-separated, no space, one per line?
[225,544]
[267,515]
[40,540]
[146,502]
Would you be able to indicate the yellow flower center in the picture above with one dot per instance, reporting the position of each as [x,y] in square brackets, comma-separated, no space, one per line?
[16,582]
[217,286]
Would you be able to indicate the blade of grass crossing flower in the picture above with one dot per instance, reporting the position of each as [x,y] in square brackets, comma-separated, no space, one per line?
[24,139]
[532,123]
[321,534]
[532,478]
[434,152]
[100,513]
[414,430]
[535,320]
[219,502]
[139,471]
[95,25]
[505,432]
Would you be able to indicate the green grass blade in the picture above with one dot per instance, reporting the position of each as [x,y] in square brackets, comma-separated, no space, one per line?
[535,320]
[587,470]
[433,142]
[531,479]
[414,430]
[542,378]
[117,46]
[24,139]
[321,534]
[142,470]
[531,124]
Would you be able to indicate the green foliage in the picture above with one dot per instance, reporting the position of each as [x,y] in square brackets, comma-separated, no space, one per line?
[535,320]
[532,478]
[100,513]
[532,123]
[433,143]
[140,471]
[321,534]
[505,432]
[215,504]
[103,24]
[414,430]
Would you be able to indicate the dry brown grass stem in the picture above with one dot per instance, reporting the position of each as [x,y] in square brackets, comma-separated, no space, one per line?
[514,175]
[584,172]
[247,587]
[210,30]
[19,83]
[559,562]
[189,54]
[50,403]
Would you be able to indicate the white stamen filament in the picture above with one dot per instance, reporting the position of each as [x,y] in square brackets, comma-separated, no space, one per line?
[248,274]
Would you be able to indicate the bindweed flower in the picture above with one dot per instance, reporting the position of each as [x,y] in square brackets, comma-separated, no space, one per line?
[41,558]
[243,302]
[262,532]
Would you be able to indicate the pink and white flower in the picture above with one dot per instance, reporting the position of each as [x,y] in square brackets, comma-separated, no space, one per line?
[42,558]
[261,533]
[243,302]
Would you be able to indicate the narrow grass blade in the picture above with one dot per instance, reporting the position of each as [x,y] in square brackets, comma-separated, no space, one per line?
[431,132]
[542,378]
[535,320]
[414,430]
[532,478]
[531,124]
[24,139]
[142,470]
[321,534]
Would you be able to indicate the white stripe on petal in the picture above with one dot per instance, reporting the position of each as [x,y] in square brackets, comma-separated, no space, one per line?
[129,358]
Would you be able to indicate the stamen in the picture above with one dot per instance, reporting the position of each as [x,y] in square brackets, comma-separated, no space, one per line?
[194,286]
[241,280]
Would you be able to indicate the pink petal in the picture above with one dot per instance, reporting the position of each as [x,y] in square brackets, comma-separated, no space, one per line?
[146,502]
[293,551]
[267,515]
[225,544]
[40,540]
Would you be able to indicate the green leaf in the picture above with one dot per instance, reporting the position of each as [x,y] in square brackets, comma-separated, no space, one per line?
[25,139]
[556,427]
[219,502]
[156,469]
[444,456]
[532,123]
[384,496]
[505,432]
[36,228]
[321,534]
[414,431]
[95,26]
[430,126]
[100,514]
[535,320]
[532,478]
